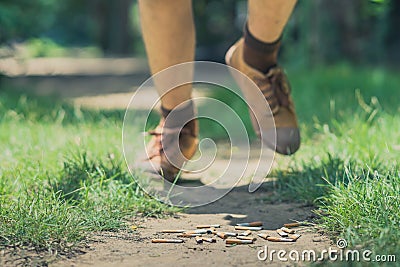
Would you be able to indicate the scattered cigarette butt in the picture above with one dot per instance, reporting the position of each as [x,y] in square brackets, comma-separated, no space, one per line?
[245,233]
[279,239]
[199,239]
[197,231]
[265,236]
[281,233]
[246,238]
[287,230]
[221,235]
[258,223]
[209,239]
[211,230]
[225,235]
[201,231]
[188,235]
[290,225]
[230,234]
[294,237]
[173,231]
[238,241]
[208,226]
[134,227]
[251,228]
[166,241]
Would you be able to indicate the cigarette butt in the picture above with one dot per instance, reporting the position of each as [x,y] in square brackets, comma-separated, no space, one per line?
[221,235]
[265,236]
[246,238]
[225,235]
[251,228]
[199,239]
[230,234]
[209,239]
[238,241]
[197,231]
[287,230]
[279,239]
[201,231]
[245,233]
[258,223]
[281,233]
[294,237]
[290,225]
[166,241]
[173,231]
[188,235]
[208,226]
[211,230]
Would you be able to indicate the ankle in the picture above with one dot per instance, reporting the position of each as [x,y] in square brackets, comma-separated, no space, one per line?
[179,117]
[258,54]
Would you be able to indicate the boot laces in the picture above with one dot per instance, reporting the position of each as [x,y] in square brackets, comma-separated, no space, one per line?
[160,133]
[275,89]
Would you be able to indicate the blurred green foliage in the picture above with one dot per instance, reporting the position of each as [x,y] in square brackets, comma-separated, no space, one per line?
[319,32]
[46,47]
[20,19]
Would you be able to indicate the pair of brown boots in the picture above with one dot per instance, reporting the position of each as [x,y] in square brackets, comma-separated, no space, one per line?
[172,146]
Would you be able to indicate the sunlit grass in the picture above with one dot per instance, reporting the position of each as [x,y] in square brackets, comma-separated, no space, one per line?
[348,164]
[62,174]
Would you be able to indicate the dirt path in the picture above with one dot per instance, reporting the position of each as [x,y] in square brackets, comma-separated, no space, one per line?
[127,249]
[136,249]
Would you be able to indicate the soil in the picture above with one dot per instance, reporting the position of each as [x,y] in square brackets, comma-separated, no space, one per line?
[135,248]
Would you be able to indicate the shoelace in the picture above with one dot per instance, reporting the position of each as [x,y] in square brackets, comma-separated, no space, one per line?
[158,135]
[275,91]
[158,143]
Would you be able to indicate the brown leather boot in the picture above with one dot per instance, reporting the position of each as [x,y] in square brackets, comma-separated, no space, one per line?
[276,90]
[172,145]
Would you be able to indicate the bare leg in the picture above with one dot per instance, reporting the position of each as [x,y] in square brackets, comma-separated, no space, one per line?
[256,56]
[169,35]
[267,18]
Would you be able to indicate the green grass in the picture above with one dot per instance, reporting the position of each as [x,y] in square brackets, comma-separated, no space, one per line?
[348,166]
[352,176]
[45,47]
[362,197]
[62,174]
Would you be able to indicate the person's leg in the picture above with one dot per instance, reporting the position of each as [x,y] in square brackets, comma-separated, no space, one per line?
[266,21]
[267,18]
[256,55]
[169,36]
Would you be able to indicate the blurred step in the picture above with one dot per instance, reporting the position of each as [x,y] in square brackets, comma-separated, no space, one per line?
[13,67]
[72,77]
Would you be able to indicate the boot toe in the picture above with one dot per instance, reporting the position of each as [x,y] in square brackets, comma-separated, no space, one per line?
[287,140]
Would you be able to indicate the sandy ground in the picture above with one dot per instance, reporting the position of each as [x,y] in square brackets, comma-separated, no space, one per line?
[136,249]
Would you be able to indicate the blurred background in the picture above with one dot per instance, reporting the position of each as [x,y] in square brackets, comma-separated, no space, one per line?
[320,32]
[91,51]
